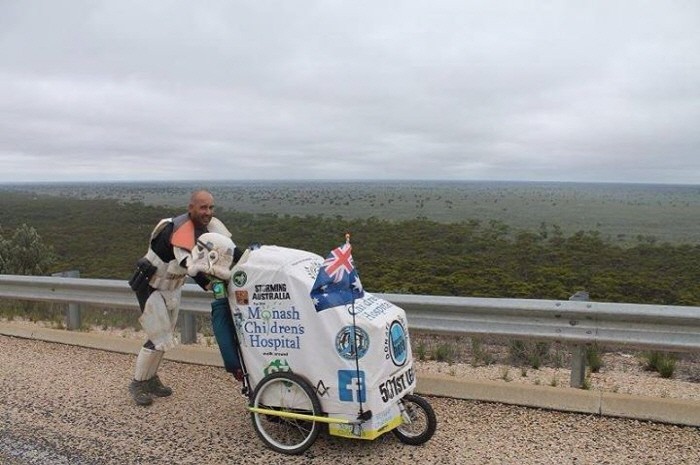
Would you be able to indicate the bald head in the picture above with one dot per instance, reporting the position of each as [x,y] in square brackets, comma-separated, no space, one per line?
[201,208]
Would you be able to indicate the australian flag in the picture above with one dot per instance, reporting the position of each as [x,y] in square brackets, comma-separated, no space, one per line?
[337,282]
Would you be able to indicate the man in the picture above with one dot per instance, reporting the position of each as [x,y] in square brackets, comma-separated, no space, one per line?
[158,282]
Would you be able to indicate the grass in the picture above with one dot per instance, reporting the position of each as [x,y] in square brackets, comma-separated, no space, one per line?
[445,353]
[660,362]
[421,351]
[534,354]
[480,356]
[53,314]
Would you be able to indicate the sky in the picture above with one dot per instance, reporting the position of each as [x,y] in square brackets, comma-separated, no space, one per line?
[586,91]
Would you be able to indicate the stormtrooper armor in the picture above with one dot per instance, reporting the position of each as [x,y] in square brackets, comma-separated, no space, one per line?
[161,308]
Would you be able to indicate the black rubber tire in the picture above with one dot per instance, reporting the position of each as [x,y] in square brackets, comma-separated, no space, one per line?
[423,421]
[285,391]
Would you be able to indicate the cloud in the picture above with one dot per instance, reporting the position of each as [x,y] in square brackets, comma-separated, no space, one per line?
[96,90]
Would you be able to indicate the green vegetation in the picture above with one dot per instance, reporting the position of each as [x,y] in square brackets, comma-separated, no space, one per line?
[25,253]
[661,362]
[480,356]
[531,353]
[421,351]
[624,214]
[445,353]
[103,238]
[594,358]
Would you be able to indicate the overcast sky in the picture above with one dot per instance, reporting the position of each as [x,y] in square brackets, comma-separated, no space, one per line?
[489,90]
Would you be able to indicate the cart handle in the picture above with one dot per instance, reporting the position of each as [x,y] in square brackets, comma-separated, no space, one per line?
[302,416]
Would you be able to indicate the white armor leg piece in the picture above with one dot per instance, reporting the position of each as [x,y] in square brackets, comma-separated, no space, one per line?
[159,318]
[153,370]
[147,364]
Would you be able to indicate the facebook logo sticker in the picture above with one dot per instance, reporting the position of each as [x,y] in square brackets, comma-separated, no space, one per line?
[351,387]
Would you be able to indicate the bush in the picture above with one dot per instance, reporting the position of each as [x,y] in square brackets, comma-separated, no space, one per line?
[25,253]
[480,356]
[421,351]
[445,353]
[532,353]
[662,363]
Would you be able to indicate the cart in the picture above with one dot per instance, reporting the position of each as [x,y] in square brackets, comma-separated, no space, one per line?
[309,362]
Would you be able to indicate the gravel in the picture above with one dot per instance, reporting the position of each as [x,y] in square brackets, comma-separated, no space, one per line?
[65,404]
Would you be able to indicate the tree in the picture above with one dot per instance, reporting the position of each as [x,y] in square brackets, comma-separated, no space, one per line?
[4,248]
[25,253]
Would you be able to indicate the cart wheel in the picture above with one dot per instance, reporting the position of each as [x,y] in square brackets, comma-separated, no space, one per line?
[419,422]
[286,392]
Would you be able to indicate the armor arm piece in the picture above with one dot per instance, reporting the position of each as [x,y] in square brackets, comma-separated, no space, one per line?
[216,226]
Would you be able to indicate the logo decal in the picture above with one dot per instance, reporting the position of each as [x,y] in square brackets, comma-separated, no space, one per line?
[321,388]
[397,343]
[351,342]
[351,387]
[242,297]
[239,278]
[277,365]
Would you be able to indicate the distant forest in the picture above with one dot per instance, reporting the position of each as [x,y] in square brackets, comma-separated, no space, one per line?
[102,238]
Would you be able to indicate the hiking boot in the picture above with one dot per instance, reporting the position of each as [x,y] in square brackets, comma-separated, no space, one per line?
[139,391]
[238,374]
[157,388]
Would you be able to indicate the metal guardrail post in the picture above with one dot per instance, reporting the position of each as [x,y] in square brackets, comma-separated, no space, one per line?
[578,352]
[188,328]
[73,319]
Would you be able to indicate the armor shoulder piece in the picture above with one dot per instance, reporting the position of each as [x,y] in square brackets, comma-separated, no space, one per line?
[160,226]
[183,235]
[216,226]
[180,219]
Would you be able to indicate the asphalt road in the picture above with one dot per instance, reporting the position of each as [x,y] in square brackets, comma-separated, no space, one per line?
[69,405]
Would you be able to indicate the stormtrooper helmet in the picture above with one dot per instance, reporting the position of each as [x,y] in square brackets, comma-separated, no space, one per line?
[212,255]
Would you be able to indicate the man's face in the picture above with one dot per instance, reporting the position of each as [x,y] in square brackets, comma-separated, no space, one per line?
[201,209]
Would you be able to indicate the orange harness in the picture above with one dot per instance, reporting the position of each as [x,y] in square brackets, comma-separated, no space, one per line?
[183,235]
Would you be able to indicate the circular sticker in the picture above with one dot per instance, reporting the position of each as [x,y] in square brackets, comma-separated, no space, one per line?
[239,278]
[397,343]
[352,342]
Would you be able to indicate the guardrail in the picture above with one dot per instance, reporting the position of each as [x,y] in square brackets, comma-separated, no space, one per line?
[576,322]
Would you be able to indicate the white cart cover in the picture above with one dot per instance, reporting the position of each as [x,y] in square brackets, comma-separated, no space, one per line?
[279,329]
